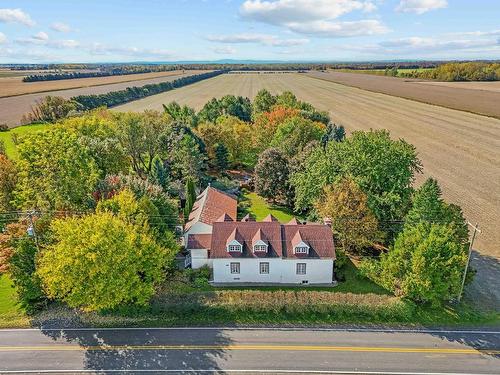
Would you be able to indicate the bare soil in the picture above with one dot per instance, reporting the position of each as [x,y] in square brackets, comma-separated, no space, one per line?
[13,108]
[13,86]
[460,149]
[464,96]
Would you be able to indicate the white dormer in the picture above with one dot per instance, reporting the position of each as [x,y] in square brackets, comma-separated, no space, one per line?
[301,248]
[299,245]
[260,247]
[234,246]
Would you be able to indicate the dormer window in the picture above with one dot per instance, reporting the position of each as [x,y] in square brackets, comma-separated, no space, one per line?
[301,250]
[260,248]
[234,248]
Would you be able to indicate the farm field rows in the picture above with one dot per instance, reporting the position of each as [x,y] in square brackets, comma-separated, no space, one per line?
[453,95]
[460,149]
[13,108]
[493,86]
[15,86]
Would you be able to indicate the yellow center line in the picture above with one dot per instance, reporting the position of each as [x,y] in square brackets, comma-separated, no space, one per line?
[250,347]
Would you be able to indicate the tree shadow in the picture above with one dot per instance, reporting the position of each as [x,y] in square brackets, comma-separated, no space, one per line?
[484,291]
[109,350]
[137,349]
[487,343]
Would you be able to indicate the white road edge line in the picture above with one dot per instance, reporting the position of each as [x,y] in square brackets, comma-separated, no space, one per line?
[382,330]
[180,371]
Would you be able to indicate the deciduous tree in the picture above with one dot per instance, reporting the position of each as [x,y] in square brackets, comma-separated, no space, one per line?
[271,176]
[117,263]
[346,205]
[55,171]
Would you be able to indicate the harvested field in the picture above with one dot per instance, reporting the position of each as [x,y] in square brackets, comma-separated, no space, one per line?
[447,94]
[460,149]
[493,86]
[13,108]
[14,86]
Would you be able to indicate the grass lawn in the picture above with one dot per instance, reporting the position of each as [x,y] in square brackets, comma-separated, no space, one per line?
[11,315]
[257,206]
[6,137]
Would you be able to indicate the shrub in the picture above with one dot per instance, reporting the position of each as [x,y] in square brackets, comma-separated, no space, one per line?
[4,127]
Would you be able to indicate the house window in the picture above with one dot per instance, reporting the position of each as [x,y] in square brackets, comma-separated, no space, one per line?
[301,250]
[232,248]
[264,267]
[258,248]
[235,268]
[301,268]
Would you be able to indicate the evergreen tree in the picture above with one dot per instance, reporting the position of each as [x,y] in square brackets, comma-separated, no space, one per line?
[159,174]
[190,197]
[333,132]
[221,157]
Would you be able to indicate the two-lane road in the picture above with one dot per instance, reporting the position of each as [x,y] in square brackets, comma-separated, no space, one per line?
[259,350]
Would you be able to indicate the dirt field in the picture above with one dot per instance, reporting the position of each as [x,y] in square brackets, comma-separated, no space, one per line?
[15,86]
[493,86]
[447,94]
[460,149]
[13,108]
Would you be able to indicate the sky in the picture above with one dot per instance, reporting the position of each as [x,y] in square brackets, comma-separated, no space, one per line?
[41,31]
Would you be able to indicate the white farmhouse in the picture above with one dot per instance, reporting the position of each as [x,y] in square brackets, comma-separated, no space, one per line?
[266,252]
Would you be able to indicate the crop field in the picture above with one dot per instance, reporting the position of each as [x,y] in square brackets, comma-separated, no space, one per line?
[460,149]
[15,86]
[493,86]
[13,108]
[447,94]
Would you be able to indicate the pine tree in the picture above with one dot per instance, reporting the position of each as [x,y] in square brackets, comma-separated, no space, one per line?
[221,157]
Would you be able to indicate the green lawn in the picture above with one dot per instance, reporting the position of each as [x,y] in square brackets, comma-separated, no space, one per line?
[6,137]
[257,206]
[11,315]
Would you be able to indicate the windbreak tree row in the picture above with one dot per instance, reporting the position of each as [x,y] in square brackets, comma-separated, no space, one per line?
[114,98]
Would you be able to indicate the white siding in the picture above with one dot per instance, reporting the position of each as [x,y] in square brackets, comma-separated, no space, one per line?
[318,271]
[199,258]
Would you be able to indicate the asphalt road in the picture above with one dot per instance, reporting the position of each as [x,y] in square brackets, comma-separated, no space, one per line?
[226,350]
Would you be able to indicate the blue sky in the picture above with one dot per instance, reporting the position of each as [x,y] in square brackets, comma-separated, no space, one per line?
[328,30]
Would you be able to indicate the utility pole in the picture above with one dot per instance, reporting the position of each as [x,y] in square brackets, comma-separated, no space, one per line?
[476,229]
[31,228]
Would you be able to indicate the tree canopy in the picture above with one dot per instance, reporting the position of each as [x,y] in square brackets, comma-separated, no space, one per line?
[117,263]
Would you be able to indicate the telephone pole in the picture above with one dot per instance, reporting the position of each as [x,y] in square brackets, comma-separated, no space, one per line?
[476,230]
[31,228]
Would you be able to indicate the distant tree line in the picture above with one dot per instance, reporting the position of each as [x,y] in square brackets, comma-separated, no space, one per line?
[110,99]
[73,75]
[469,71]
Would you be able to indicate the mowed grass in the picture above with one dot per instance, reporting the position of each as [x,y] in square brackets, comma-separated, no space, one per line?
[8,140]
[257,207]
[11,314]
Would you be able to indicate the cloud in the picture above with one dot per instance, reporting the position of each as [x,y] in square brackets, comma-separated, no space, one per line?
[314,17]
[3,38]
[224,50]
[283,12]
[15,16]
[446,45]
[264,39]
[420,6]
[340,29]
[41,36]
[60,27]
[102,49]
[42,39]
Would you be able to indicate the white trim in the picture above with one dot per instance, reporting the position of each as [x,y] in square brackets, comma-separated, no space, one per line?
[234,243]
